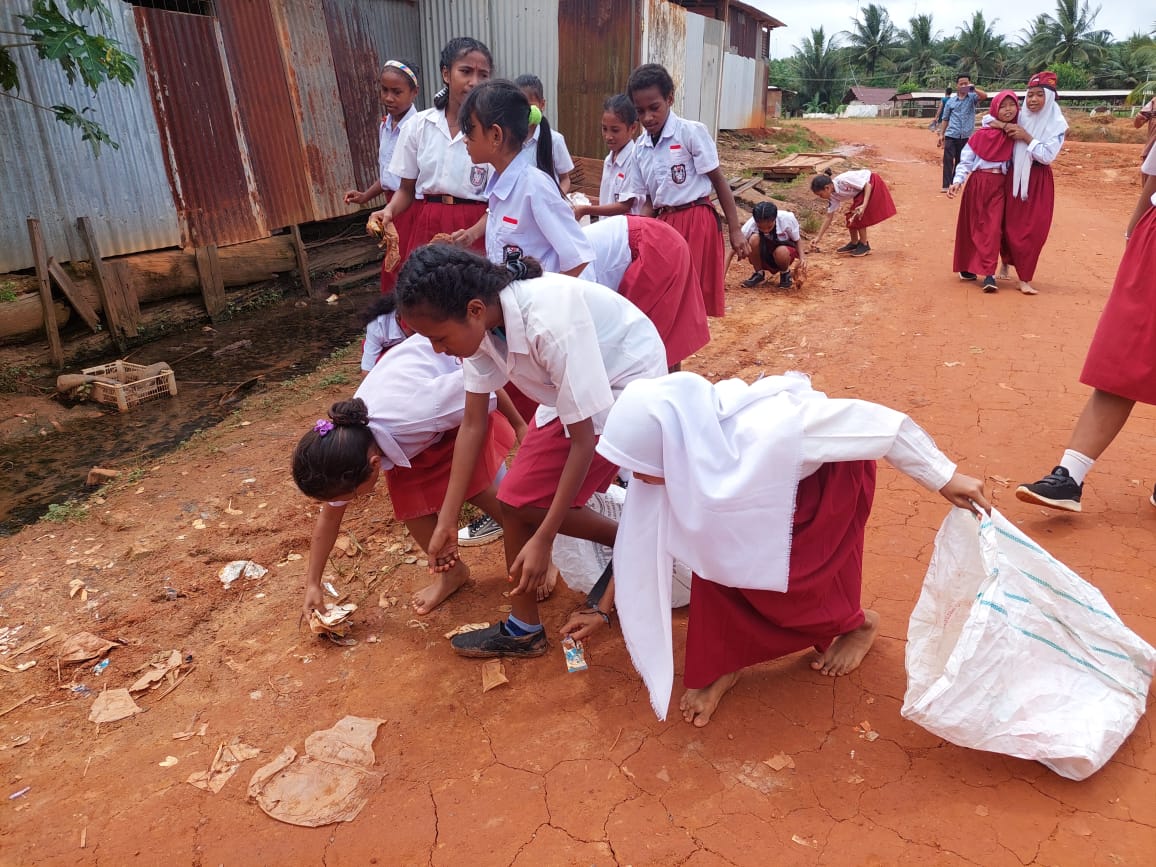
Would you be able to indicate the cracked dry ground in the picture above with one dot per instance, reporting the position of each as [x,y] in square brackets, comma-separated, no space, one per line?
[560,768]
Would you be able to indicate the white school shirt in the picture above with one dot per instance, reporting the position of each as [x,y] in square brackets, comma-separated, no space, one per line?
[847,186]
[381,334]
[610,239]
[674,169]
[786,227]
[569,344]
[1046,151]
[438,162]
[527,212]
[563,162]
[621,181]
[387,135]
[970,161]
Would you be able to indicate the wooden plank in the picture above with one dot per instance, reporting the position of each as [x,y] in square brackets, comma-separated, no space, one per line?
[212,287]
[122,291]
[302,259]
[55,349]
[73,294]
[113,313]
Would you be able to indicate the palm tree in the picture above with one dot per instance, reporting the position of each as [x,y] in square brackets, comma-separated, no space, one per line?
[817,68]
[980,52]
[873,40]
[918,53]
[1069,36]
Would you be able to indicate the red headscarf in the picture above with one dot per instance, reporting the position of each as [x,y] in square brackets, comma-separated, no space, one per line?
[989,143]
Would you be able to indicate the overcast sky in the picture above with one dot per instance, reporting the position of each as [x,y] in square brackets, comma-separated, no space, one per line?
[1121,17]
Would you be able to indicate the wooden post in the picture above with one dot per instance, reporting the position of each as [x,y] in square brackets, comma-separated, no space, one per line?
[55,350]
[113,314]
[302,259]
[212,286]
[75,297]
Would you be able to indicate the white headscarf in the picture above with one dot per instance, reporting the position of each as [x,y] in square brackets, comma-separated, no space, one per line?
[730,455]
[1045,124]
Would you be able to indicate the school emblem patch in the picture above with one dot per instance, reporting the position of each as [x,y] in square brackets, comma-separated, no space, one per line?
[478,176]
[678,173]
[511,250]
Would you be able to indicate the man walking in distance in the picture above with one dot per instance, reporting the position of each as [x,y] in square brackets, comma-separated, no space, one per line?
[957,123]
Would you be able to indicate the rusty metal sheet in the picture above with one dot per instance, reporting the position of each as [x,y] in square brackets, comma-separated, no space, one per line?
[207,173]
[664,41]
[586,77]
[265,109]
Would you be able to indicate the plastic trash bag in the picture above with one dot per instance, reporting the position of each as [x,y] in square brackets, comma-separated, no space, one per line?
[1009,650]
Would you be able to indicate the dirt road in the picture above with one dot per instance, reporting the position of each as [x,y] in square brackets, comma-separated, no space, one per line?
[574,769]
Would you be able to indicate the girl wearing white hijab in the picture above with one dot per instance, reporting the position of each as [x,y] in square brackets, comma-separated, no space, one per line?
[1039,135]
[763,490]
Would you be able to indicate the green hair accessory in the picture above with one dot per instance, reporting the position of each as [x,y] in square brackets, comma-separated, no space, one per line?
[535,115]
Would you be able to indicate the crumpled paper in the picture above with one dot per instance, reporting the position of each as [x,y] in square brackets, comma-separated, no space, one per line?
[223,766]
[112,705]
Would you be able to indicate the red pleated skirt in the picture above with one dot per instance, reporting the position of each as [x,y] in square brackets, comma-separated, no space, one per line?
[979,228]
[404,225]
[419,489]
[436,218]
[880,208]
[533,477]
[729,629]
[662,283]
[699,227]
[1122,357]
[1027,222]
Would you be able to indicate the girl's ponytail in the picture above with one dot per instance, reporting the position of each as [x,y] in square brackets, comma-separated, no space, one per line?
[545,152]
[442,99]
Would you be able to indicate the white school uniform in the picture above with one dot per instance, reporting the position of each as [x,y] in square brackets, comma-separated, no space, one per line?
[674,169]
[847,185]
[569,344]
[610,240]
[381,334]
[438,162]
[621,181]
[970,161]
[563,162]
[387,135]
[786,227]
[528,213]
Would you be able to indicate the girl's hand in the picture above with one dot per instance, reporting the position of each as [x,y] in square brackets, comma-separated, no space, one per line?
[520,433]
[314,599]
[965,492]
[814,247]
[378,220]
[856,213]
[530,566]
[738,242]
[443,549]
[580,211]
[463,238]
[952,190]
[583,623]
[355,197]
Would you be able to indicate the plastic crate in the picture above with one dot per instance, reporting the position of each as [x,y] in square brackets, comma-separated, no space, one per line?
[130,389]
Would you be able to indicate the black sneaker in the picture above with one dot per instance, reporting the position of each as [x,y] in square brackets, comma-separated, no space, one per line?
[756,279]
[861,250]
[1057,490]
[966,275]
[989,284]
[496,640]
[847,248]
[785,281]
[480,531]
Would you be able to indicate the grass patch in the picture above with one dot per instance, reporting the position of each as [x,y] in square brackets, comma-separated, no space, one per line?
[7,291]
[63,513]
[335,378]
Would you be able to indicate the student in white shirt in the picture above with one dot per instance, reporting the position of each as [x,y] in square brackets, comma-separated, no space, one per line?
[773,243]
[547,144]
[527,215]
[397,89]
[677,162]
[431,160]
[621,190]
[402,422]
[648,263]
[569,344]
[383,331]
[868,202]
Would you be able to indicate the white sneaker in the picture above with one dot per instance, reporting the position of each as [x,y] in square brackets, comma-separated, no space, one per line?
[480,531]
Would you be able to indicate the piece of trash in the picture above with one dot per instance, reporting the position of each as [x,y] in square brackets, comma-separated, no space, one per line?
[293,556]
[256,695]
[100,475]
[779,761]
[410,561]
[223,766]
[84,646]
[24,666]
[168,762]
[99,668]
[198,524]
[332,299]
[384,600]
[417,624]
[574,654]
[20,793]
[330,589]
[157,672]
[466,627]
[1006,387]
[373,639]
[80,689]
[229,510]
[864,726]
[230,572]
[493,674]
[854,779]
[953,364]
[1000,480]
[871,736]
[332,621]
[981,810]
[184,736]
[76,585]
[802,841]
[330,783]
[112,705]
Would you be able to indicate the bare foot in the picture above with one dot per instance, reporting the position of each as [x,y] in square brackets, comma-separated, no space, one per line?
[698,705]
[547,586]
[444,585]
[848,650]
[1004,273]
[1027,288]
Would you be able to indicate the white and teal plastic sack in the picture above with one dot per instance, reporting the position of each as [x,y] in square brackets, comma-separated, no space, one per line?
[1009,650]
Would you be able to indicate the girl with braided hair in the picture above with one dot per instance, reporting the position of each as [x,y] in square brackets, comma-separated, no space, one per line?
[572,346]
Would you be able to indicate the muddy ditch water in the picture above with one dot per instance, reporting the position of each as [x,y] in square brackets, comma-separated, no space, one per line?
[214,367]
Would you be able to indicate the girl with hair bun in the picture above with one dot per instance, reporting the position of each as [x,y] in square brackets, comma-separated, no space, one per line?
[403,422]
[570,345]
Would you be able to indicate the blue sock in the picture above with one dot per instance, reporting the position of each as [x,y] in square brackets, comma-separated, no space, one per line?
[519,628]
